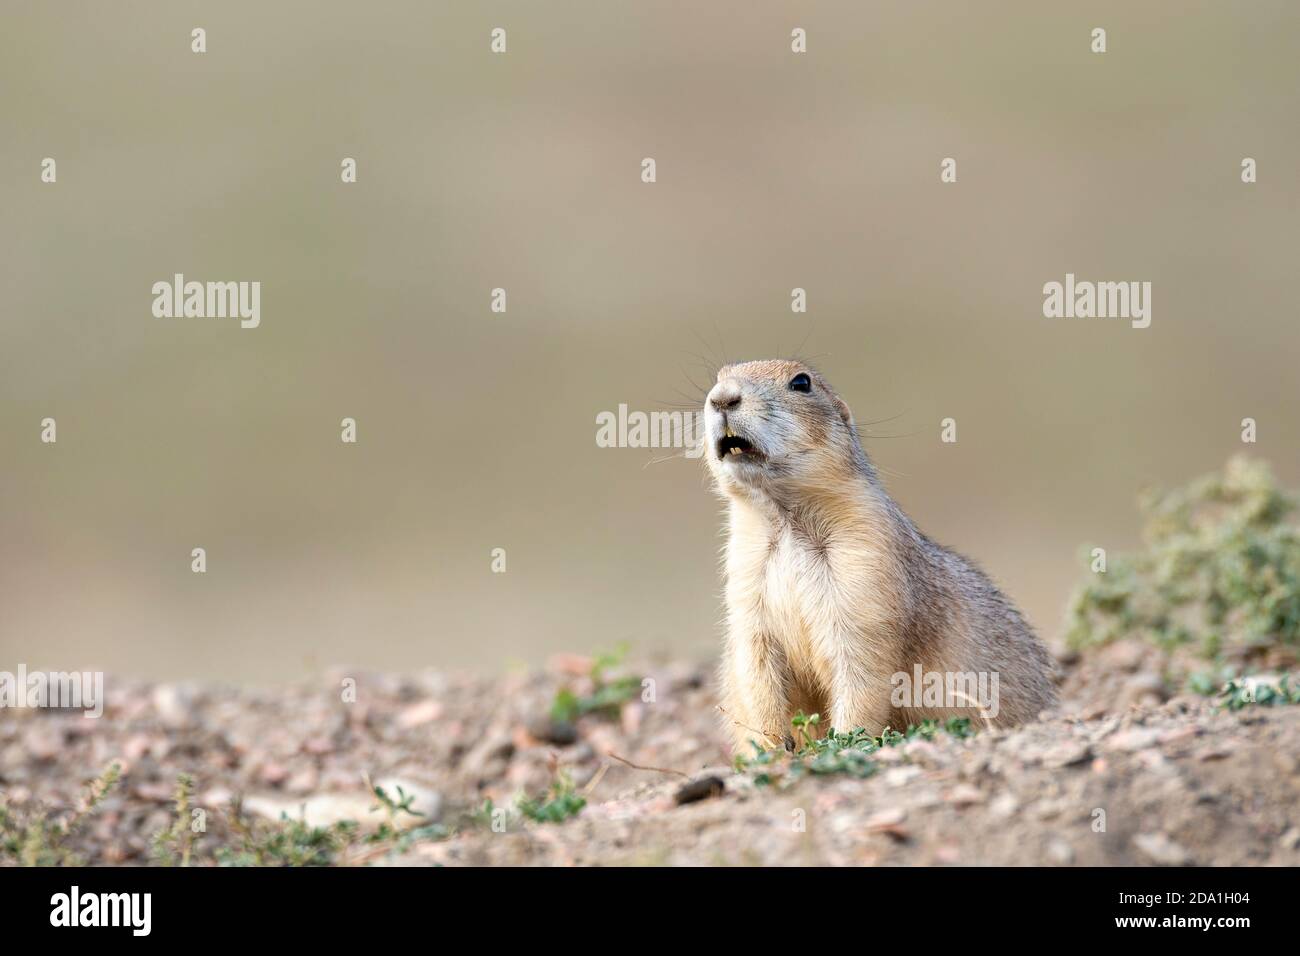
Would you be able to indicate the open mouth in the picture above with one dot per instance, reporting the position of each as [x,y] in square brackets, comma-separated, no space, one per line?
[733,446]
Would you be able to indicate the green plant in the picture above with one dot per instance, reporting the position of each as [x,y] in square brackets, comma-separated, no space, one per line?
[805,729]
[172,846]
[483,815]
[391,830]
[835,752]
[283,842]
[959,727]
[1209,682]
[606,696]
[845,753]
[32,838]
[1239,694]
[558,804]
[1220,571]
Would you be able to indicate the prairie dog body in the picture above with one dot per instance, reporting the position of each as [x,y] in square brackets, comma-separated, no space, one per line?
[832,591]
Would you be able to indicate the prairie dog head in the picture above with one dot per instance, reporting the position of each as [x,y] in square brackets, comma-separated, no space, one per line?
[776,427]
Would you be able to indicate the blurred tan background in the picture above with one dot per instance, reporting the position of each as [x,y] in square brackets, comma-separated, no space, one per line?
[477,430]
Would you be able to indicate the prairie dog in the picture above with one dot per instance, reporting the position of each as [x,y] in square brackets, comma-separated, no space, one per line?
[832,591]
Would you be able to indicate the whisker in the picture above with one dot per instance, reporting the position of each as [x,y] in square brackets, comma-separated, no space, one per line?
[710,367]
[659,461]
[799,351]
[691,406]
[881,421]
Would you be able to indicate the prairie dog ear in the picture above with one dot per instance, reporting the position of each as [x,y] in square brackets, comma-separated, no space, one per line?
[842,407]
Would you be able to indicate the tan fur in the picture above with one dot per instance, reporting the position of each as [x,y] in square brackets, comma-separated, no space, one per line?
[830,588]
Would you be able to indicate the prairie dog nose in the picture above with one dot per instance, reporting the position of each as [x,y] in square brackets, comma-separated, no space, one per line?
[725,395]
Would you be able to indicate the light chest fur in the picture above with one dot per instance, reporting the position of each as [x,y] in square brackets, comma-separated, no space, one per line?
[805,596]
[771,578]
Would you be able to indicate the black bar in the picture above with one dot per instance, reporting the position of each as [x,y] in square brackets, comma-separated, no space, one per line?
[333,905]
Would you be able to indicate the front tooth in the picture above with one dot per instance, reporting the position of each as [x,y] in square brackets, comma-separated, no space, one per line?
[730,433]
[735,451]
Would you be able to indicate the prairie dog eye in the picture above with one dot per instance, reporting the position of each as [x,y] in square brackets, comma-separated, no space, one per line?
[801,383]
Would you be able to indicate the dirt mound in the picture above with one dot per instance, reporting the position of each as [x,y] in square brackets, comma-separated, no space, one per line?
[1119,775]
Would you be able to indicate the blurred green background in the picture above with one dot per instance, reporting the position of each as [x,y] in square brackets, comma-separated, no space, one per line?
[477,430]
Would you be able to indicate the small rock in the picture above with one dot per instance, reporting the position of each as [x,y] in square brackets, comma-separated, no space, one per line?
[947,854]
[1066,754]
[114,854]
[1152,760]
[1004,805]
[155,792]
[305,780]
[174,705]
[889,817]
[417,715]
[273,774]
[1133,739]
[44,741]
[1047,809]
[701,789]
[1178,735]
[1160,849]
[137,745]
[1144,687]
[1102,729]
[899,776]
[922,796]
[215,797]
[550,731]
[890,823]
[921,750]
[1060,852]
[322,810]
[963,795]
[364,809]
[13,759]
